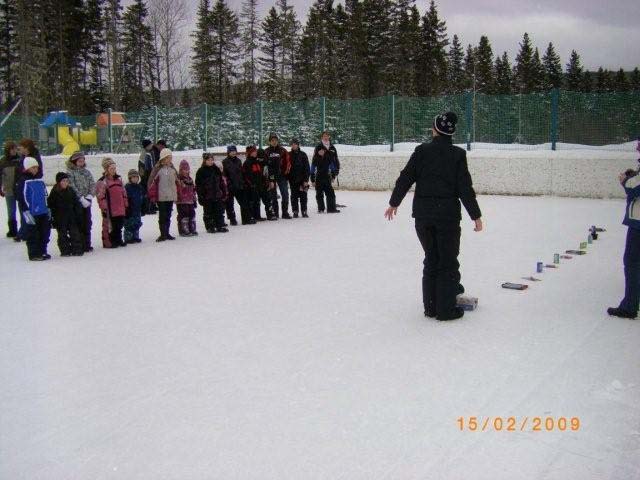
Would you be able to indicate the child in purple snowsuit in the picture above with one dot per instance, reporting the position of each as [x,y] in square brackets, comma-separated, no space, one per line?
[186,201]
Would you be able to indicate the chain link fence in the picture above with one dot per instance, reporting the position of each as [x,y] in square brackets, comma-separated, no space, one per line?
[539,120]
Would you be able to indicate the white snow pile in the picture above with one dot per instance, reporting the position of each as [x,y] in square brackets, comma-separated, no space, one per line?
[298,350]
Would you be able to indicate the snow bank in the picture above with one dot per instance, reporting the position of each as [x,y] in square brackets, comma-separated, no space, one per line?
[570,171]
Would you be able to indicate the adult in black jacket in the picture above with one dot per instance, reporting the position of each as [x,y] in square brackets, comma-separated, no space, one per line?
[439,170]
[299,178]
[210,195]
[67,214]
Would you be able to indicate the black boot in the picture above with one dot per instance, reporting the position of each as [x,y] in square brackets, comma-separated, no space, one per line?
[454,314]
[304,214]
[13,229]
[618,312]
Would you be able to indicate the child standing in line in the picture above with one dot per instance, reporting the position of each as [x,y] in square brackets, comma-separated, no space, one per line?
[163,190]
[32,197]
[66,215]
[113,202]
[136,196]
[186,201]
[211,195]
[81,181]
[299,178]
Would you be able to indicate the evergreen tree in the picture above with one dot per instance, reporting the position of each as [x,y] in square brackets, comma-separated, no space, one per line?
[202,59]
[113,38]
[552,69]
[379,56]
[573,76]
[538,79]
[270,55]
[484,66]
[526,71]
[8,53]
[432,64]
[137,43]
[93,61]
[455,76]
[225,49]
[249,29]
[404,45]
[504,75]
[604,82]
[470,68]
[586,83]
[620,82]
[289,29]
[342,48]
[635,80]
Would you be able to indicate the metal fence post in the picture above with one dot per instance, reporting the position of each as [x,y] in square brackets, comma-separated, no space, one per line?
[260,123]
[323,114]
[393,122]
[469,117]
[206,126]
[110,131]
[555,104]
[155,124]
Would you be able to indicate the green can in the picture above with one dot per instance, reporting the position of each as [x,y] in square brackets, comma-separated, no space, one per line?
[583,246]
[556,258]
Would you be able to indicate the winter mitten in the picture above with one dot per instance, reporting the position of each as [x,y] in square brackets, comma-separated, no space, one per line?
[85,203]
[29,218]
[89,197]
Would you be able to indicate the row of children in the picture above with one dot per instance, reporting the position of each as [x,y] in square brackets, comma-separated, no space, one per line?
[68,207]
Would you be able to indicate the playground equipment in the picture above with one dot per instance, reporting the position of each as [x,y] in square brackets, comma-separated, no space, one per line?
[111,133]
[58,128]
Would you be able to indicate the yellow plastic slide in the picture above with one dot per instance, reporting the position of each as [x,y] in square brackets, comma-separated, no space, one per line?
[69,145]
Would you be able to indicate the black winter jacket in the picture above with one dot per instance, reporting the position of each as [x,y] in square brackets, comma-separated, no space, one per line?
[65,207]
[232,167]
[439,170]
[300,168]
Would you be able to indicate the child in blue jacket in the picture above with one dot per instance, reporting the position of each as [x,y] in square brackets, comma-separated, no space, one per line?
[32,196]
[136,194]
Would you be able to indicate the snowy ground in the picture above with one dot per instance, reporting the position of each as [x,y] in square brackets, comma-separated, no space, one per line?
[298,350]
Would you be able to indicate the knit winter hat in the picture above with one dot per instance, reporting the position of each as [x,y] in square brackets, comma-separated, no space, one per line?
[164,153]
[162,143]
[61,176]
[133,173]
[232,148]
[146,142]
[106,162]
[76,156]
[29,162]
[184,165]
[295,140]
[273,135]
[445,124]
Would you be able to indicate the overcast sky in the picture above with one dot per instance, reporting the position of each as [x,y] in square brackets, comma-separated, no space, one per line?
[604,32]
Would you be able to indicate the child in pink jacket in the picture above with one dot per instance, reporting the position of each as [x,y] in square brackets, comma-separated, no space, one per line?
[113,202]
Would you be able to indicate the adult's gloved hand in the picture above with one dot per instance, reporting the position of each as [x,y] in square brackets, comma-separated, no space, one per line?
[85,203]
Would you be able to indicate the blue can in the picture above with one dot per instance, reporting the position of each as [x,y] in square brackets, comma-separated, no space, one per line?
[539,267]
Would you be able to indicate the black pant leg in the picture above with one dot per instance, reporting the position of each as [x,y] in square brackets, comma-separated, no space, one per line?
[320,195]
[331,197]
[64,239]
[426,235]
[116,231]
[229,206]
[631,261]
[295,197]
[77,238]
[447,240]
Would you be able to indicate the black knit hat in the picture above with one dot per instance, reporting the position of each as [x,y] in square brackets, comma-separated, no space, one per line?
[273,135]
[146,142]
[294,140]
[445,124]
[61,176]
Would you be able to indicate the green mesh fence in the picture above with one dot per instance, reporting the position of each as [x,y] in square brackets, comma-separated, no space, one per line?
[505,120]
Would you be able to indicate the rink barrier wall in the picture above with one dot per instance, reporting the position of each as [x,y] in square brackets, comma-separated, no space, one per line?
[581,174]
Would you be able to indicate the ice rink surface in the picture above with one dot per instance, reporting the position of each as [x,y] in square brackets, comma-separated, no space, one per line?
[298,350]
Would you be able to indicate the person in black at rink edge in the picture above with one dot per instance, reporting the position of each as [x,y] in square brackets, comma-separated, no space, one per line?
[439,170]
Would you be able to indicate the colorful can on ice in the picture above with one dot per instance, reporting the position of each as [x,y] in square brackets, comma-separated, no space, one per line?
[539,267]
[556,258]
[589,239]
[583,245]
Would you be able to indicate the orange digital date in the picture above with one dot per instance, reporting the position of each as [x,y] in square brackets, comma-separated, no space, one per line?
[514,424]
